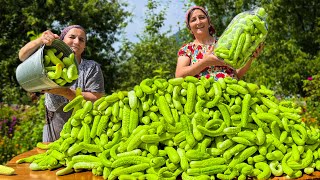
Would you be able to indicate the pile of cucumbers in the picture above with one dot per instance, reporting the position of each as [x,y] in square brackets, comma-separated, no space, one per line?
[188,127]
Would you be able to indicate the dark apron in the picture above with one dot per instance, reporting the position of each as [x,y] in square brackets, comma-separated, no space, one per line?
[54,124]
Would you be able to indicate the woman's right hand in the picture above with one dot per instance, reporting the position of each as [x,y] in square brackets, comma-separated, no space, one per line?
[48,37]
[213,60]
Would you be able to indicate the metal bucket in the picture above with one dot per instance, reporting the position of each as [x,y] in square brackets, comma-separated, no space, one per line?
[31,74]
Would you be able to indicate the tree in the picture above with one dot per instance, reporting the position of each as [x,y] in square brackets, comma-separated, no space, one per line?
[291,52]
[154,55]
[102,19]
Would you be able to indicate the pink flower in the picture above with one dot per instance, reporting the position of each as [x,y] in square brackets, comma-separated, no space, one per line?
[310,78]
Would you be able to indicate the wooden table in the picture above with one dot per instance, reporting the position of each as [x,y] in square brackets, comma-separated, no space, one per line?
[24,173]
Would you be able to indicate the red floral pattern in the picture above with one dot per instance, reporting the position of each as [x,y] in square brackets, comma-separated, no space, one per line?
[199,56]
[195,53]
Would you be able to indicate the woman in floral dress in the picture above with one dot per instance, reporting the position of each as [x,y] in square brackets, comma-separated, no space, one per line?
[197,59]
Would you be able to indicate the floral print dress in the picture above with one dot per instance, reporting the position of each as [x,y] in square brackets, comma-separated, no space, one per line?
[195,53]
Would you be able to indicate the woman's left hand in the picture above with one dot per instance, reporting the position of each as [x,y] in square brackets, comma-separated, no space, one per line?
[48,37]
[212,59]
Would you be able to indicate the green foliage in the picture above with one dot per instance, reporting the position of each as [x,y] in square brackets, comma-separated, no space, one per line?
[20,128]
[10,91]
[311,86]
[154,55]
[33,35]
[102,19]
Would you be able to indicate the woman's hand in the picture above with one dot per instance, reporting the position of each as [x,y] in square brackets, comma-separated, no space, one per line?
[212,59]
[258,51]
[48,37]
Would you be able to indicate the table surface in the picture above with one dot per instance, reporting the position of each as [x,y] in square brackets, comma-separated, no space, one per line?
[24,173]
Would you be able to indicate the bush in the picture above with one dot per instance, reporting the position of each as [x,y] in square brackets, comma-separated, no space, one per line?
[311,86]
[20,128]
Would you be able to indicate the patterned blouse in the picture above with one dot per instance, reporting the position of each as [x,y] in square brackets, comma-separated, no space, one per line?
[195,53]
